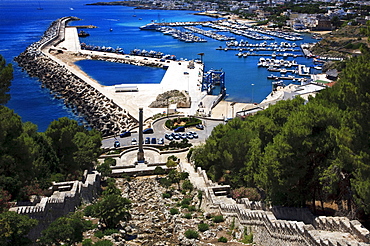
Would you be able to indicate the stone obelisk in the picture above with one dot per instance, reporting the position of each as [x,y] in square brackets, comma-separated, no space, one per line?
[140,153]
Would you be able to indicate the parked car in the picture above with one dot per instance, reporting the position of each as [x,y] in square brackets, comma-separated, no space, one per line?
[168,136]
[117,144]
[189,135]
[195,135]
[161,140]
[125,134]
[199,126]
[147,140]
[179,129]
[133,141]
[148,131]
[183,136]
[175,136]
[154,141]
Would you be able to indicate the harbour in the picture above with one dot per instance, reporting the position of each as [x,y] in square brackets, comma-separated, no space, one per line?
[114,32]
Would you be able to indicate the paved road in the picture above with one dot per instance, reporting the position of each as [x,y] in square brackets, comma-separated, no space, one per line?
[160,130]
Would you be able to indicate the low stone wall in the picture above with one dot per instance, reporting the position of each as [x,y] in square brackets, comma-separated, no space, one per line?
[66,197]
[99,111]
[280,226]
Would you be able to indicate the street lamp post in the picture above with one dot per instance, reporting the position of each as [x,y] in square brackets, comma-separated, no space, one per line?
[252,92]
[201,57]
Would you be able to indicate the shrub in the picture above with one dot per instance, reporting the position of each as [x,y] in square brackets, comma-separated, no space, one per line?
[103,243]
[222,239]
[186,201]
[99,234]
[174,211]
[172,157]
[171,163]
[218,219]
[110,161]
[166,195]
[88,211]
[187,185]
[203,227]
[191,208]
[191,234]
[243,192]
[108,232]
[248,238]
[187,216]
[87,242]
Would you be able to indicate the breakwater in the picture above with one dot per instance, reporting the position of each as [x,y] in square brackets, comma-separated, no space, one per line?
[99,111]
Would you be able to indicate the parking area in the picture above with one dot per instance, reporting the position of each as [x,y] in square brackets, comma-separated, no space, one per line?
[161,135]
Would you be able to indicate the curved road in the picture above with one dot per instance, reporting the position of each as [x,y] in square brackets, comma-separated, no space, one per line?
[160,130]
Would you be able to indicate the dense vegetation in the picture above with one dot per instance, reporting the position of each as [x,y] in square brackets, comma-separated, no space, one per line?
[6,76]
[296,152]
[31,160]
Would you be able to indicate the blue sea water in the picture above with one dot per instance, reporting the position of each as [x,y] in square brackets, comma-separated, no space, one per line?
[22,24]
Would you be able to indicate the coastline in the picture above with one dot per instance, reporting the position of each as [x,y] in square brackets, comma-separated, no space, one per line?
[52,60]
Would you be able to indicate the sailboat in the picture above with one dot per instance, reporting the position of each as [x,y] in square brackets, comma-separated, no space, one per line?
[39,8]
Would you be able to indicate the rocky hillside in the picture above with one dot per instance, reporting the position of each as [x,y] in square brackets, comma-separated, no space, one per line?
[344,42]
[159,219]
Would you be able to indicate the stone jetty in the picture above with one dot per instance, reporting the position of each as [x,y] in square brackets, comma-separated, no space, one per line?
[98,110]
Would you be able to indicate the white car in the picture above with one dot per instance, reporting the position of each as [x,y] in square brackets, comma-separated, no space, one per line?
[134,141]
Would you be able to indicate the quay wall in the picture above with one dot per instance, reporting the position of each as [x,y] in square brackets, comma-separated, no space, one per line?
[98,110]
[65,198]
[282,226]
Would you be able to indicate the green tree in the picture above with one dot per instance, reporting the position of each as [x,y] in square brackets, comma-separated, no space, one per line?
[159,171]
[6,76]
[111,188]
[15,161]
[104,168]
[76,148]
[14,228]
[111,209]
[66,230]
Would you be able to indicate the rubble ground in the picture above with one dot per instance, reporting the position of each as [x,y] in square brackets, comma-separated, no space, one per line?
[152,222]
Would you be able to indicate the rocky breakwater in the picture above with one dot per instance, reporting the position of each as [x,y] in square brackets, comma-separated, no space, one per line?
[99,111]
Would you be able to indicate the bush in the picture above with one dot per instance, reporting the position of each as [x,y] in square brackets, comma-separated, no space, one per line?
[243,192]
[99,234]
[191,234]
[172,157]
[108,232]
[186,201]
[174,211]
[187,216]
[110,161]
[248,238]
[103,243]
[87,242]
[218,219]
[222,239]
[88,211]
[166,195]
[187,185]
[191,208]
[203,227]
